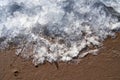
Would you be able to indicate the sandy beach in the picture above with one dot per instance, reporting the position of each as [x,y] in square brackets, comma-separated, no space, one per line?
[104,66]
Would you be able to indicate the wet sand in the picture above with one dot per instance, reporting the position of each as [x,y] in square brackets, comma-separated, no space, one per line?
[104,66]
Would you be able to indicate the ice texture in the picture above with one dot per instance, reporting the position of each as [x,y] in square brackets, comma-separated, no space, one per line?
[56,30]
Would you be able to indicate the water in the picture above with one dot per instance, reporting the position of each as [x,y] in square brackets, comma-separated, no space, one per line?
[57,30]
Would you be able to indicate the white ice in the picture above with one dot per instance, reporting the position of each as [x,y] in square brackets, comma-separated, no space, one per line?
[56,30]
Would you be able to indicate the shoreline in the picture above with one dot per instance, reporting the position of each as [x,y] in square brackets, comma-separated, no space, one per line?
[104,66]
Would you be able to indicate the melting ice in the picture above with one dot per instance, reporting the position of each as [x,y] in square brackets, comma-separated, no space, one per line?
[56,30]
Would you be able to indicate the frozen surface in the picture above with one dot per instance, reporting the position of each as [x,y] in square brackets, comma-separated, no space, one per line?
[56,30]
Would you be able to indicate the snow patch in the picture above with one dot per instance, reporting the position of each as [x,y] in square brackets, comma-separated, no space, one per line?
[56,30]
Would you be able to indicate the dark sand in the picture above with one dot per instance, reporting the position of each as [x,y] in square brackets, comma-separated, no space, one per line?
[105,66]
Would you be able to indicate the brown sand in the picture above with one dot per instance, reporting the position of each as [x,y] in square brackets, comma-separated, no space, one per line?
[105,66]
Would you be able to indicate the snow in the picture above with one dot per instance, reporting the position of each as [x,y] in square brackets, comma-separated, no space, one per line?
[56,30]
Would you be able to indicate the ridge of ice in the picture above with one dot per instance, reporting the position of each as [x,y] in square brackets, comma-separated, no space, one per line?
[56,30]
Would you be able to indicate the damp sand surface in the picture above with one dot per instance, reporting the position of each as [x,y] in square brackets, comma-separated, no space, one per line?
[105,66]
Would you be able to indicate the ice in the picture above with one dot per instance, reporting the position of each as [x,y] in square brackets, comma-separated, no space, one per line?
[56,30]
[94,52]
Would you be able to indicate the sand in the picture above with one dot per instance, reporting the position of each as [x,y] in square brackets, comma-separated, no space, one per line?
[104,66]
